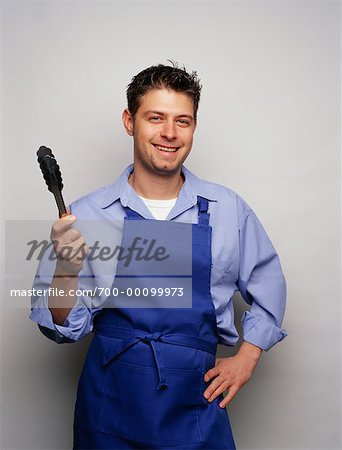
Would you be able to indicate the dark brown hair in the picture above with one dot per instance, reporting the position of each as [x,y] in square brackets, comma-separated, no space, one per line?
[162,76]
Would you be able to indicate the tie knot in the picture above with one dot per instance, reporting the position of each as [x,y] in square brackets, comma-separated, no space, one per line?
[151,337]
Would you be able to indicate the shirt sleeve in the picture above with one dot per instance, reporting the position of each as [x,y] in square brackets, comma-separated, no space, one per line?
[261,283]
[79,321]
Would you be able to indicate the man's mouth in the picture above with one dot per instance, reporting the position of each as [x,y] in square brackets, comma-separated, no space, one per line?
[166,149]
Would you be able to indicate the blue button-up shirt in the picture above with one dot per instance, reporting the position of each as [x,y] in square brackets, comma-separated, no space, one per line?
[243,259]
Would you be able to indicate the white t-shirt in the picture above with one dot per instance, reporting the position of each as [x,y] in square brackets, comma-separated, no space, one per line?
[159,208]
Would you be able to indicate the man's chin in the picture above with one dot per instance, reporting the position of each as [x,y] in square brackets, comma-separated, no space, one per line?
[167,169]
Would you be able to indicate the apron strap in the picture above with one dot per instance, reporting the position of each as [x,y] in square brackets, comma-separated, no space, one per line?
[129,337]
[131,214]
[113,351]
[203,215]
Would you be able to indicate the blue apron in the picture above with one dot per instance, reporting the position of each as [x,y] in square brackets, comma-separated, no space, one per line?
[143,379]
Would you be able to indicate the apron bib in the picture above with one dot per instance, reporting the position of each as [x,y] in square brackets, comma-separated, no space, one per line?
[143,380]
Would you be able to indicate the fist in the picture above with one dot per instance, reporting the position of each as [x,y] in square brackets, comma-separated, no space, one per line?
[69,245]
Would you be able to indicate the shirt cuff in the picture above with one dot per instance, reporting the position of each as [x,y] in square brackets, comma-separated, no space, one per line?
[75,327]
[260,332]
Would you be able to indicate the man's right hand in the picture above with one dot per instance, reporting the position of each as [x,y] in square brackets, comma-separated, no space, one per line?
[69,245]
[71,249]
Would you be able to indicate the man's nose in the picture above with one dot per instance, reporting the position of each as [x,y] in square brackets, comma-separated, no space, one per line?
[169,131]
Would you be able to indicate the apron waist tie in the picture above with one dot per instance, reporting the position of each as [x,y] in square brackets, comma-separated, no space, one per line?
[131,336]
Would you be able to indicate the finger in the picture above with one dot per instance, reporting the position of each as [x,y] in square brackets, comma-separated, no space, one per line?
[80,250]
[233,390]
[213,387]
[67,238]
[71,235]
[74,252]
[218,361]
[219,390]
[61,225]
[69,246]
[214,372]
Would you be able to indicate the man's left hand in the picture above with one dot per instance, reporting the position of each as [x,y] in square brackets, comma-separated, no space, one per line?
[231,373]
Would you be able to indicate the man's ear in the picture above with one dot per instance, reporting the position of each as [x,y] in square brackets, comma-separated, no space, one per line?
[127,120]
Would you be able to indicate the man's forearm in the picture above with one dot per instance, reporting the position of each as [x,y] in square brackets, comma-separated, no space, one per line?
[60,306]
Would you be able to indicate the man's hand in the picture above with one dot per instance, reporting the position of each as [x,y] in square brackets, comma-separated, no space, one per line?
[231,373]
[71,250]
[70,246]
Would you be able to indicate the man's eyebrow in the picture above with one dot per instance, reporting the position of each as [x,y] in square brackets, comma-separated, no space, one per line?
[162,114]
[152,111]
[186,115]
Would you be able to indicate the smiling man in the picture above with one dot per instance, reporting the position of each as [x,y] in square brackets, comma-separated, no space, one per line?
[151,378]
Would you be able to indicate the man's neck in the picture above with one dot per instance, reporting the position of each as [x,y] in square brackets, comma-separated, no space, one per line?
[154,186]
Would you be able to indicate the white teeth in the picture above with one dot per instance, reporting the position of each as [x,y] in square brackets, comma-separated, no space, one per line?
[166,149]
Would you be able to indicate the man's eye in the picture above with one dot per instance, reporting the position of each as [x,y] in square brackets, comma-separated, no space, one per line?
[184,122]
[155,118]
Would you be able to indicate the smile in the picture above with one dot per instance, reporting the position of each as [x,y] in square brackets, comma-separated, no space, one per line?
[166,149]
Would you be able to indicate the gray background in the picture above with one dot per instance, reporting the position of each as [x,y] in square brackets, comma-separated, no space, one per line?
[269,128]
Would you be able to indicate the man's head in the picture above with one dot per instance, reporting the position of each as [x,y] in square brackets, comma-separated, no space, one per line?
[161,76]
[161,117]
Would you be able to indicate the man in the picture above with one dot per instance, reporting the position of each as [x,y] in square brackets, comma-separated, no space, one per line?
[151,379]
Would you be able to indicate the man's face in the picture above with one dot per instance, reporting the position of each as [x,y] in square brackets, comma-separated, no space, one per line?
[163,130]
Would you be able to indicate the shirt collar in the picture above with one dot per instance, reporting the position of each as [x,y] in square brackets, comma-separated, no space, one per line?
[192,187]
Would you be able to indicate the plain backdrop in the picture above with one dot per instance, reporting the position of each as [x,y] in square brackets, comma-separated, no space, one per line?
[268,127]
